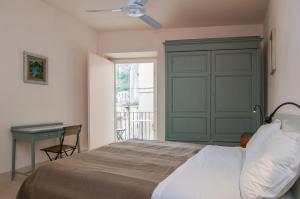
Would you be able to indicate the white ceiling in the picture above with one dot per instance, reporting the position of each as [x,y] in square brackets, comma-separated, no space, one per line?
[170,13]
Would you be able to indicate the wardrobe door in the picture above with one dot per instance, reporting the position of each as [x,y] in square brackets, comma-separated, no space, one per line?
[188,96]
[235,91]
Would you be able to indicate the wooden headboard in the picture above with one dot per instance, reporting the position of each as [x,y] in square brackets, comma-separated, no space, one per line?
[291,123]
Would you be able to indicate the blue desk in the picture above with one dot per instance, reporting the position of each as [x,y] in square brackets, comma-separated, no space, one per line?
[33,133]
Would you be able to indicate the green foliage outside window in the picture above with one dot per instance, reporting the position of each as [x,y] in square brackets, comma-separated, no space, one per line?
[122,77]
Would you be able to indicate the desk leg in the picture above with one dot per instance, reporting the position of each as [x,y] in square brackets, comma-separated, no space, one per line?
[33,156]
[13,166]
[79,144]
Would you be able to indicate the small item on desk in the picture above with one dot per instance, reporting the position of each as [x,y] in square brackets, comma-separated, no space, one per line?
[245,139]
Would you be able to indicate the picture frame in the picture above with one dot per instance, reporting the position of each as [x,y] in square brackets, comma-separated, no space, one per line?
[272,51]
[35,68]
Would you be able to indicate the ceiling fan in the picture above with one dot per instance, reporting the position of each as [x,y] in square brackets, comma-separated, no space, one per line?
[134,8]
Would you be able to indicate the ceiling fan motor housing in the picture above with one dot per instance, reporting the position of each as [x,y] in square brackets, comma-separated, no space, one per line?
[134,10]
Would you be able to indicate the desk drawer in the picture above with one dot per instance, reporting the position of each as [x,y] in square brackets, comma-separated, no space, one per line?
[44,136]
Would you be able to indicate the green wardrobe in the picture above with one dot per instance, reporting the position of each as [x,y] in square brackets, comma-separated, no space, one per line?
[212,86]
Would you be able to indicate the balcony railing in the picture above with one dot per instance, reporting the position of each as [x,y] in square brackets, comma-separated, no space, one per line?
[134,125]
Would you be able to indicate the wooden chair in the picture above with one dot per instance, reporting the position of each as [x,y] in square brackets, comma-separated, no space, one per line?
[63,149]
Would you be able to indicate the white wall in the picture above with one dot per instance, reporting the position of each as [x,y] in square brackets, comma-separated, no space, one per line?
[34,26]
[135,41]
[284,16]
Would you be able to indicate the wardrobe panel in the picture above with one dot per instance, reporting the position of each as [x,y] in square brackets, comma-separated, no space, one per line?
[233,93]
[191,62]
[235,61]
[189,128]
[232,126]
[190,94]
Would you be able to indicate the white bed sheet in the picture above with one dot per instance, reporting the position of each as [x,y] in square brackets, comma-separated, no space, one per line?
[213,173]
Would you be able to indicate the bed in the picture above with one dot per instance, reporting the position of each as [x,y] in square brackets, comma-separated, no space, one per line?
[130,169]
[146,169]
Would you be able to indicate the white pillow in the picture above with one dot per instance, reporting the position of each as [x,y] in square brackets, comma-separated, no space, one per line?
[271,171]
[260,137]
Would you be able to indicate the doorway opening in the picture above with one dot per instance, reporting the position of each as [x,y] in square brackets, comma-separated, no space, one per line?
[135,100]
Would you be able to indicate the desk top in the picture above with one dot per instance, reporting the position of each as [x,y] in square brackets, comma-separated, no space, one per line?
[38,128]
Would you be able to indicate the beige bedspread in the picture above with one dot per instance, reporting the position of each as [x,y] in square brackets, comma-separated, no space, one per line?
[129,170]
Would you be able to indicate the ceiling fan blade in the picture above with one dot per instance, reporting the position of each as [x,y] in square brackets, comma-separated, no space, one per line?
[139,2]
[150,21]
[104,10]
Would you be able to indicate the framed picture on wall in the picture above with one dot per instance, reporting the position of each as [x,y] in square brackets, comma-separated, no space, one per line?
[272,52]
[35,68]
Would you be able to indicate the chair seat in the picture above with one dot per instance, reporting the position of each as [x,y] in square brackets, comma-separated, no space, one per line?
[56,149]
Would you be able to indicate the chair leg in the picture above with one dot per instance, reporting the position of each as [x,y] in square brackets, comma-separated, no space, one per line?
[72,151]
[48,156]
[66,153]
[57,155]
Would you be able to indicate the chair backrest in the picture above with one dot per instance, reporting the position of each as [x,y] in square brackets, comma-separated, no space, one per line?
[71,130]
